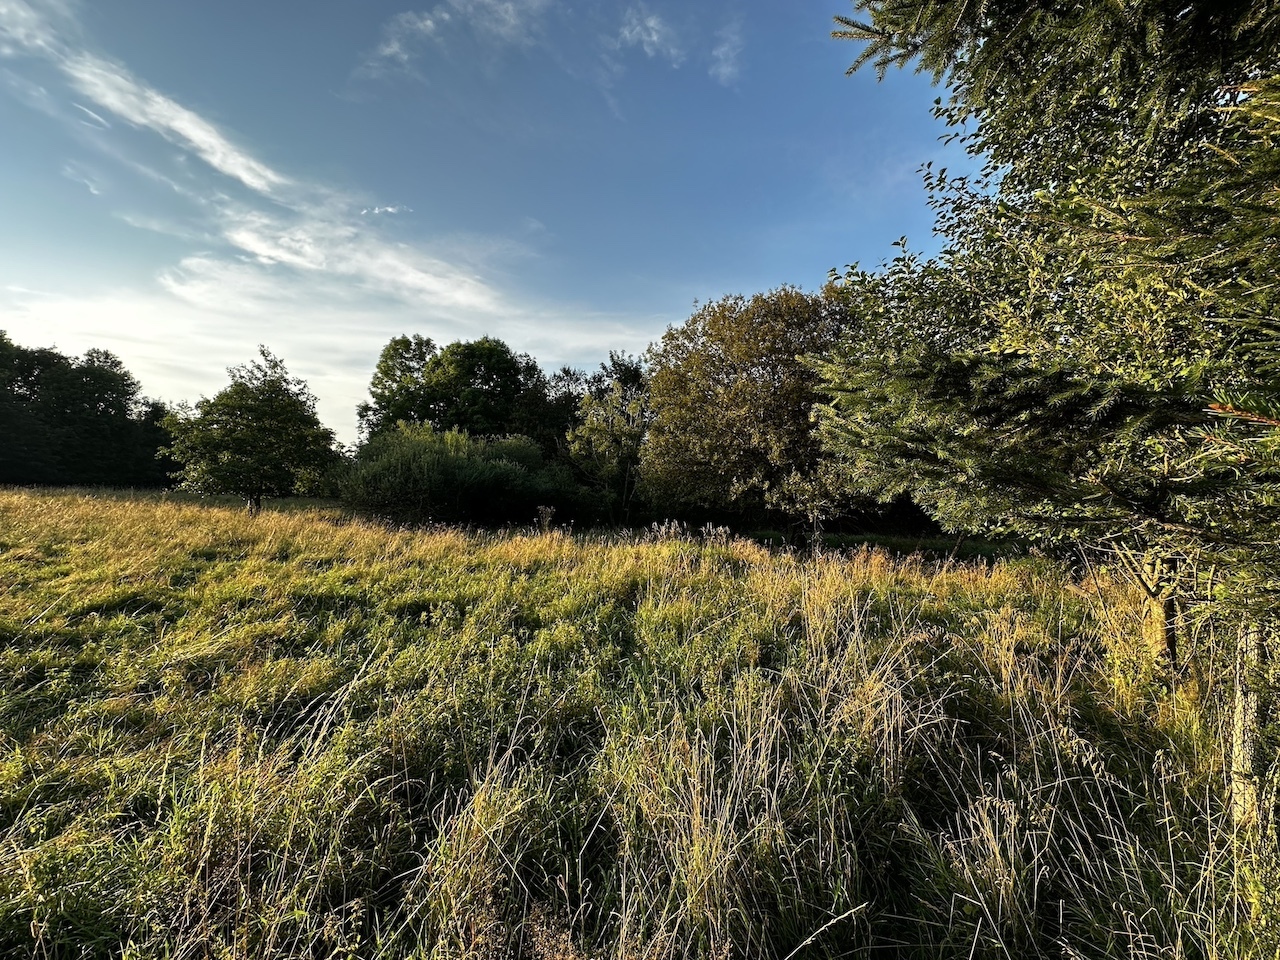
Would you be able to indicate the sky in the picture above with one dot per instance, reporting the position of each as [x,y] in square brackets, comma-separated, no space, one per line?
[181,182]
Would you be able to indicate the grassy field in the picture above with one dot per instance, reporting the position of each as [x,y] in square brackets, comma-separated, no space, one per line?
[301,736]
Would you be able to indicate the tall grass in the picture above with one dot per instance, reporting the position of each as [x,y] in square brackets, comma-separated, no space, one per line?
[299,736]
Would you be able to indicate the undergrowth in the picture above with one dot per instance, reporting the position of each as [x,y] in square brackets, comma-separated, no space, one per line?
[299,736]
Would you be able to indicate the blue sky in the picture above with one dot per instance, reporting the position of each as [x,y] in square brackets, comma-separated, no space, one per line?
[180,182]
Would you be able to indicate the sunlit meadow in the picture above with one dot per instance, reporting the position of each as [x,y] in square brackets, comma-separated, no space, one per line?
[299,735]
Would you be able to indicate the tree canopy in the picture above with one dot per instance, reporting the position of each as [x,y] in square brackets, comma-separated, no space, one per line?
[730,404]
[1106,367]
[258,437]
[480,386]
[1061,298]
[613,424]
[76,421]
[399,390]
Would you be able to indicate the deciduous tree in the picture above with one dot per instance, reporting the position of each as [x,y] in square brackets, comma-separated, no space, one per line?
[613,422]
[75,420]
[730,402]
[481,386]
[258,437]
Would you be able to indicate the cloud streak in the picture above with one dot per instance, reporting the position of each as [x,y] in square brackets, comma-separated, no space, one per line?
[111,87]
[75,174]
[648,31]
[404,36]
[304,229]
[97,124]
[509,21]
[726,55]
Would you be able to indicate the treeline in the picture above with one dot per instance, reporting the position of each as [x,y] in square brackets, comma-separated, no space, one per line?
[711,424]
[77,421]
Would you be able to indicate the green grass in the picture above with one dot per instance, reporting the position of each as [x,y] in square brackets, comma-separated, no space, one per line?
[300,736]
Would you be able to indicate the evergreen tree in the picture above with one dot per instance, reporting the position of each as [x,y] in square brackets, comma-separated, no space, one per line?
[1114,264]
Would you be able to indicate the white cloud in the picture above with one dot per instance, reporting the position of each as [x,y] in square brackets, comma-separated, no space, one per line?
[290,263]
[726,65]
[110,86]
[511,21]
[164,227]
[23,29]
[402,35]
[649,32]
[76,174]
[98,122]
[27,291]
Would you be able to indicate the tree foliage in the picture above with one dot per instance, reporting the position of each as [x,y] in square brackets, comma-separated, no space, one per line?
[613,424]
[1107,295]
[481,387]
[730,403]
[399,390]
[76,421]
[1061,271]
[258,437]
[416,474]
[1063,92]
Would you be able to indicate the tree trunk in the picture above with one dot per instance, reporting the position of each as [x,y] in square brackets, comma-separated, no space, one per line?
[1160,627]
[254,505]
[1244,728]
[1160,618]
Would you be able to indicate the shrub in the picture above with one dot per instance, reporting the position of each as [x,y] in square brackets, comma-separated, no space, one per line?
[416,475]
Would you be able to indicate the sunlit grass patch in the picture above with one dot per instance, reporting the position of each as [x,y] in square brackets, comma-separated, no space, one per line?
[300,735]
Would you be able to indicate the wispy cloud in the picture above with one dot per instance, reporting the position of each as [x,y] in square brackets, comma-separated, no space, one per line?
[97,124]
[379,211]
[648,31]
[110,86]
[402,37]
[726,55]
[165,227]
[24,30]
[302,228]
[510,21]
[405,36]
[310,242]
[77,174]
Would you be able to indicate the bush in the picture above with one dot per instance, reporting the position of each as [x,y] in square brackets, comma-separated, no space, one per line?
[415,474]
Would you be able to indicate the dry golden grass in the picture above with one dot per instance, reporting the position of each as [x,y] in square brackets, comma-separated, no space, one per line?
[298,735]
